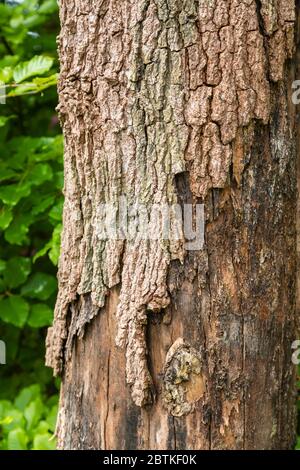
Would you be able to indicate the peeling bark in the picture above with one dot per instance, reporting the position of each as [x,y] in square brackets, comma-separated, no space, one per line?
[171,102]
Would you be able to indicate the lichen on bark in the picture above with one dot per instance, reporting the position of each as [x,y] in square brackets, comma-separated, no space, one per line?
[150,89]
[183,382]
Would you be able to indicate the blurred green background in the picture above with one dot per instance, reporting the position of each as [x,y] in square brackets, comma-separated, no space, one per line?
[31,180]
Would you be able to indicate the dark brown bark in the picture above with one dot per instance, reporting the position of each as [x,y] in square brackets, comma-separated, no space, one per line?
[207,104]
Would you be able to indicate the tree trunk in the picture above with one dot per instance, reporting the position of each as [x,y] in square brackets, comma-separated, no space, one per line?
[161,346]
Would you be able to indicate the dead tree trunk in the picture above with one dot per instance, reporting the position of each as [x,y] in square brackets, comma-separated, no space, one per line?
[161,347]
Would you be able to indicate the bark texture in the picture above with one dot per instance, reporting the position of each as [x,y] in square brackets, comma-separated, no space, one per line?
[168,101]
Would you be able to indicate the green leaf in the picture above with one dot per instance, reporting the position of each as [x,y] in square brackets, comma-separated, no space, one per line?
[4,406]
[13,193]
[42,428]
[52,418]
[40,286]
[13,418]
[40,315]
[4,12]
[52,247]
[45,82]
[36,86]
[51,150]
[48,7]
[9,60]
[17,439]
[4,120]
[14,310]
[23,89]
[38,65]
[44,442]
[40,173]
[16,21]
[6,420]
[55,245]
[17,232]
[2,266]
[6,74]
[42,252]
[33,412]
[6,173]
[6,216]
[42,205]
[17,271]
[26,395]
[59,179]
[56,211]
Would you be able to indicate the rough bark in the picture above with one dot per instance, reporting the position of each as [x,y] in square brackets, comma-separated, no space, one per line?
[178,102]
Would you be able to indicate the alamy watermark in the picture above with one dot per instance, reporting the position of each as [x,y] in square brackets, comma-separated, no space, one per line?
[296,93]
[296,353]
[2,93]
[137,221]
[296,101]
[2,353]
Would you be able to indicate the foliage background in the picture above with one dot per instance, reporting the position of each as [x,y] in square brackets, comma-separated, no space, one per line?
[31,179]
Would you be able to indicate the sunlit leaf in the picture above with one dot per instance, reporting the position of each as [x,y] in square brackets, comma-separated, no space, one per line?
[33,412]
[38,65]
[17,439]
[44,442]
[26,395]
[6,216]
[13,193]
[5,119]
